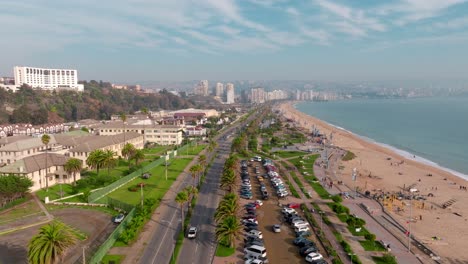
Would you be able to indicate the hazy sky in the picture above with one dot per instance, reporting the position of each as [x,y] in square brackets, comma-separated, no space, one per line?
[138,40]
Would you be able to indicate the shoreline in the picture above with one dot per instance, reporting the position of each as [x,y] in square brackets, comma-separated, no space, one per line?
[383,169]
[401,152]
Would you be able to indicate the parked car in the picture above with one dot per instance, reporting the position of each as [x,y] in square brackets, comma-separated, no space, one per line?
[255,233]
[313,257]
[277,228]
[246,196]
[294,205]
[264,259]
[118,218]
[192,232]
[146,175]
[304,251]
[303,234]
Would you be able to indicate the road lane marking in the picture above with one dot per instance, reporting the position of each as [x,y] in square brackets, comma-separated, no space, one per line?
[162,240]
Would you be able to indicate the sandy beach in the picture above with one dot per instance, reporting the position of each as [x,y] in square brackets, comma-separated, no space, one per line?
[381,169]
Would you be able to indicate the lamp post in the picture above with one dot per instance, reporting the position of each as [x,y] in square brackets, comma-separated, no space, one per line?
[165,163]
[351,256]
[409,224]
[141,194]
[84,255]
[321,220]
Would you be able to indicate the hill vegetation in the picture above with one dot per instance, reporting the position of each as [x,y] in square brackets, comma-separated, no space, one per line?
[98,101]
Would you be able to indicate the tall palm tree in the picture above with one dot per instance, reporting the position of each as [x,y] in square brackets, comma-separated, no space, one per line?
[50,245]
[73,165]
[193,171]
[45,140]
[95,159]
[108,160]
[123,117]
[128,150]
[228,180]
[181,199]
[229,230]
[192,193]
[200,171]
[202,160]
[138,156]
[228,207]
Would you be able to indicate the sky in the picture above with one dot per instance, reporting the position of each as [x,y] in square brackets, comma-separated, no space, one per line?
[164,40]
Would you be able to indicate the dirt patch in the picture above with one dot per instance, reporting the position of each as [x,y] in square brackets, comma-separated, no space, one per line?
[95,224]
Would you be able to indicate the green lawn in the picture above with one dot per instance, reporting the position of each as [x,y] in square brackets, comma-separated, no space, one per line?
[107,210]
[223,251]
[386,259]
[155,187]
[192,150]
[158,150]
[28,208]
[116,258]
[372,245]
[289,154]
[54,192]
[363,231]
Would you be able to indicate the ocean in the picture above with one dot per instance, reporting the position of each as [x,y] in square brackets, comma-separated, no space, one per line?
[434,130]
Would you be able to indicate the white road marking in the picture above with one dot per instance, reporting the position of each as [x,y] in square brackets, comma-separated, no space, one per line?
[162,240]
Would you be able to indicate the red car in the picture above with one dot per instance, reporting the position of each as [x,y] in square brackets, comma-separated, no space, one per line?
[294,205]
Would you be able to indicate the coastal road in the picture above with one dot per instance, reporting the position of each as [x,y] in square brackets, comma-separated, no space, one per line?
[201,250]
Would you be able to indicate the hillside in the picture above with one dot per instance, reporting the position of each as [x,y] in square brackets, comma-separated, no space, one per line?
[98,101]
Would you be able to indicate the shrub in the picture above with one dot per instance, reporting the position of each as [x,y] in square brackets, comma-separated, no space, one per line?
[337,198]
[370,237]
[389,259]
[133,189]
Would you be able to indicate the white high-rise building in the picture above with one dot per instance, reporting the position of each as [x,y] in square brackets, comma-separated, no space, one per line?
[230,95]
[47,79]
[257,95]
[219,90]
[202,88]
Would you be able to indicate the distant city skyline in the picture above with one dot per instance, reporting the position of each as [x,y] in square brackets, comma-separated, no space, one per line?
[323,40]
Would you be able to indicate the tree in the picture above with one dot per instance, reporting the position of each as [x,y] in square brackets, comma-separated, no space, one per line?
[73,165]
[202,161]
[228,231]
[194,172]
[228,180]
[50,245]
[95,159]
[229,206]
[181,199]
[138,156]
[13,187]
[45,140]
[389,259]
[192,192]
[108,160]
[128,151]
[123,117]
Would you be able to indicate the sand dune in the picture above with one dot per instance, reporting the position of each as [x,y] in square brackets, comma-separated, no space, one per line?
[380,168]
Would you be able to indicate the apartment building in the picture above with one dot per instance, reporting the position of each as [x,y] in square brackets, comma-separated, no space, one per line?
[114,142]
[47,79]
[230,95]
[159,134]
[38,167]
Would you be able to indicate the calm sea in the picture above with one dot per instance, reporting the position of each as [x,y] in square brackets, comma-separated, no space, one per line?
[435,130]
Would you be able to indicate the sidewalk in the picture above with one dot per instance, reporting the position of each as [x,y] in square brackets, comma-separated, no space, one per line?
[134,251]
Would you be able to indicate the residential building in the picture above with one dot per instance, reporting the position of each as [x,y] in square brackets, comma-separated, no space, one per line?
[257,95]
[159,134]
[111,141]
[230,93]
[219,90]
[201,88]
[28,129]
[38,167]
[47,79]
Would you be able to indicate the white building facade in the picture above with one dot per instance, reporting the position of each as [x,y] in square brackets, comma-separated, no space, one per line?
[230,95]
[47,79]
[219,90]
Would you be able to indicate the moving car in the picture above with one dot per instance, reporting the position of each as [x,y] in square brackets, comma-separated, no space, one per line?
[192,232]
[118,218]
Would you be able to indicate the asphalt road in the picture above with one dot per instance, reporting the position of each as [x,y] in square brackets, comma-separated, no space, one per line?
[160,248]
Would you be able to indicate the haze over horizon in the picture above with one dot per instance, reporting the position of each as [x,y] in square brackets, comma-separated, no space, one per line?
[329,40]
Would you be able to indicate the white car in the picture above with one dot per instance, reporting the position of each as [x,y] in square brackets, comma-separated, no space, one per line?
[259,202]
[192,232]
[313,257]
[255,233]
[277,228]
[254,261]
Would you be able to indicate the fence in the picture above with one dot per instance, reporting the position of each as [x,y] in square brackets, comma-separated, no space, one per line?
[102,250]
[117,204]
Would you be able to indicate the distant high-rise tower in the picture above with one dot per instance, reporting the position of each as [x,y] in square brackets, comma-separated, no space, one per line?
[257,95]
[230,93]
[219,90]
[202,88]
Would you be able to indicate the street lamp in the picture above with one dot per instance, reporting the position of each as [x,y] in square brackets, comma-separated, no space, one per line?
[351,256]
[321,220]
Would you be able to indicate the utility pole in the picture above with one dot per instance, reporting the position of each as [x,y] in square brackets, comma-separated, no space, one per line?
[84,256]
[354,177]
[165,162]
[409,224]
[141,192]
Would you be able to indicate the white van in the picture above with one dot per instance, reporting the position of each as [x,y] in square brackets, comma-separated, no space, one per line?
[257,251]
[300,224]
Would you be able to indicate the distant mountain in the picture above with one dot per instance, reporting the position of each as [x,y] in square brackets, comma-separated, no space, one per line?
[98,101]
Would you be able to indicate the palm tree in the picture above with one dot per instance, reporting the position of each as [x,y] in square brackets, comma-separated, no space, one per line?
[95,159]
[123,117]
[202,160]
[228,180]
[193,171]
[128,150]
[200,171]
[181,199]
[138,156]
[50,245]
[229,230]
[45,140]
[73,165]
[108,160]
[227,207]
[192,192]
